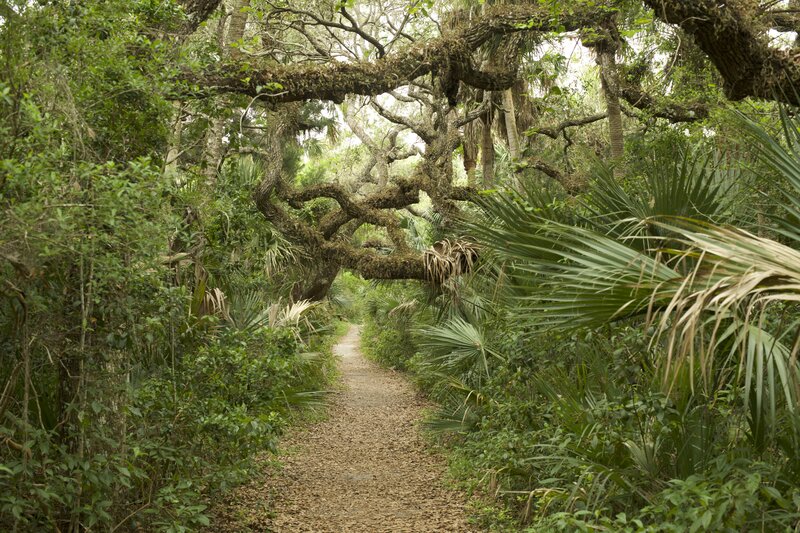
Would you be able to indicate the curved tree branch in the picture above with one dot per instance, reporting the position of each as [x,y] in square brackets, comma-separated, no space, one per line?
[731,38]
[448,55]
[555,131]
[197,12]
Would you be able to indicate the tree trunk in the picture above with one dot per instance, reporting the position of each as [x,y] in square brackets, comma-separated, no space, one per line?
[382,170]
[236,28]
[794,5]
[609,82]
[471,142]
[214,151]
[171,162]
[316,289]
[487,145]
[511,124]
[470,166]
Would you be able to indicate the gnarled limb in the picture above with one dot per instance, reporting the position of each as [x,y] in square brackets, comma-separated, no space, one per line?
[197,12]
[674,112]
[555,131]
[449,55]
[730,35]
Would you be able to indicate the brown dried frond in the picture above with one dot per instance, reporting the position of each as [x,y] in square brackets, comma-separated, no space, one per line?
[215,303]
[446,259]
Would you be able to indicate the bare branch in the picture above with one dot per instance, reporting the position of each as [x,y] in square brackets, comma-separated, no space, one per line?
[555,131]
[425,133]
[355,28]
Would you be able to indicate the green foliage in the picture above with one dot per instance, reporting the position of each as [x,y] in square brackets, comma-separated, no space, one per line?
[128,394]
[630,367]
[388,324]
[622,361]
[182,430]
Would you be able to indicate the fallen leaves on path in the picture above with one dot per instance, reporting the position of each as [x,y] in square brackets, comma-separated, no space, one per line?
[364,469]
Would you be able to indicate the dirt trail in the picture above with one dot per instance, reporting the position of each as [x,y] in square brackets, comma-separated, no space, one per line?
[364,469]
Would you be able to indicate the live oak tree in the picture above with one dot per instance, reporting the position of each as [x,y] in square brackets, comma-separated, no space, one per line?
[335,52]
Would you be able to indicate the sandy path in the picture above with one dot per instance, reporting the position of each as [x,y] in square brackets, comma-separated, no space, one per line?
[364,469]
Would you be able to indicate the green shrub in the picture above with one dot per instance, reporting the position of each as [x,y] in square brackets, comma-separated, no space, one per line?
[182,435]
[388,320]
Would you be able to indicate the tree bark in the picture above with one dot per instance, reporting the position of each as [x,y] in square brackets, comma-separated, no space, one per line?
[487,144]
[510,118]
[197,11]
[171,161]
[609,81]
[470,167]
[605,41]
[450,55]
[318,287]
[725,30]
[214,151]
[470,144]
[737,45]
[236,28]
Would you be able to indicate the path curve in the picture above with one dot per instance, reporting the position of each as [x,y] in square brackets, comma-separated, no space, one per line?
[366,468]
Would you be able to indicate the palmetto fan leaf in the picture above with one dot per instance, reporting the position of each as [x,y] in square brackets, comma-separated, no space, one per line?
[718,296]
[783,161]
[729,299]
[246,308]
[588,279]
[458,347]
[574,276]
[459,403]
[693,185]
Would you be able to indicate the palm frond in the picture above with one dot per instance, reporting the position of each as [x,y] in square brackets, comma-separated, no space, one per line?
[447,259]
[246,310]
[784,161]
[739,283]
[458,346]
[694,185]
[290,315]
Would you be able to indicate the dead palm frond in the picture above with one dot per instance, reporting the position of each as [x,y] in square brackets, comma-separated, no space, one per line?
[736,296]
[250,311]
[207,301]
[278,253]
[447,259]
[290,315]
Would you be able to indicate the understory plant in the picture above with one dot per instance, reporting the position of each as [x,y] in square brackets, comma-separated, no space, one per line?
[632,365]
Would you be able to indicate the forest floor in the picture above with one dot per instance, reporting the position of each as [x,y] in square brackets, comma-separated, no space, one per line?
[365,468]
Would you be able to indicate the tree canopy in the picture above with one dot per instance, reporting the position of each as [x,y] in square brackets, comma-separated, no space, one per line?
[455,62]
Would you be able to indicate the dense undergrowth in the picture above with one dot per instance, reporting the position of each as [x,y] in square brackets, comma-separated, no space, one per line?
[623,361]
[134,391]
[172,437]
[148,345]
